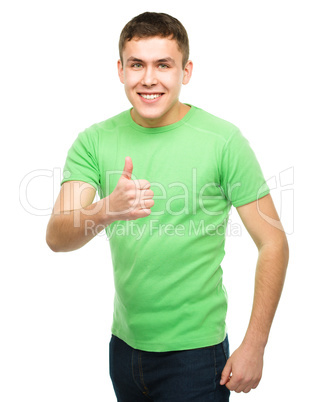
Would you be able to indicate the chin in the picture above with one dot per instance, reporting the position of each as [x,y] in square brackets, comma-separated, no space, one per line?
[150,116]
[149,113]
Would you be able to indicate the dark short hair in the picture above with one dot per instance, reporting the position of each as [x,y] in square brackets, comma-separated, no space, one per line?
[150,24]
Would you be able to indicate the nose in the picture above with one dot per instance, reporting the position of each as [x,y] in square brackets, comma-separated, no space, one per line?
[149,77]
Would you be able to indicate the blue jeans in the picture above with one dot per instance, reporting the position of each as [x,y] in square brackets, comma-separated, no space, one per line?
[178,376]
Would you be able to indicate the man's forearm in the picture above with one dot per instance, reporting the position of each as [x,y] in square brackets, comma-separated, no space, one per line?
[70,230]
[269,280]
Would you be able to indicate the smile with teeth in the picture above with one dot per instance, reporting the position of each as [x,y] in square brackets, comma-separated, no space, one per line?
[151,96]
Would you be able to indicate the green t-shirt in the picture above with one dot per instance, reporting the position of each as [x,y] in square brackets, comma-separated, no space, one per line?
[169,292]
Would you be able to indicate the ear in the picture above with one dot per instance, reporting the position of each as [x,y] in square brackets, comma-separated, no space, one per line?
[187,72]
[120,71]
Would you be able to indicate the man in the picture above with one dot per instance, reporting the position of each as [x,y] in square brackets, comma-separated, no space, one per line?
[169,339]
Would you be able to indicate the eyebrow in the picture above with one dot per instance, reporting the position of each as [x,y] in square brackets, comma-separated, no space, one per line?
[165,60]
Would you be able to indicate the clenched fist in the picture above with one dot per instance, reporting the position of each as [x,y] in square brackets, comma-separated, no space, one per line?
[131,199]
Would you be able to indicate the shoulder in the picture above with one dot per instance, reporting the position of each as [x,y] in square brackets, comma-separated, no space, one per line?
[92,133]
[112,122]
[208,123]
[109,124]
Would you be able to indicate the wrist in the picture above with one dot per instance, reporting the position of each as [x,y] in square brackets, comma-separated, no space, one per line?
[256,343]
[105,217]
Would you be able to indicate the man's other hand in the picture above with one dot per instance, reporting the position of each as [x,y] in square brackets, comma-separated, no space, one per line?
[246,365]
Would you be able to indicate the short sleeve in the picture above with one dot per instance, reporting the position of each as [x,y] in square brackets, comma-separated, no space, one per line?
[242,179]
[81,161]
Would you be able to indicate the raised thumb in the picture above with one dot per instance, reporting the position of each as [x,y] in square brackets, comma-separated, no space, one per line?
[128,168]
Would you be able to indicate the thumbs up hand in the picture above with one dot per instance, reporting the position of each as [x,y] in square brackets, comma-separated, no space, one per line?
[131,199]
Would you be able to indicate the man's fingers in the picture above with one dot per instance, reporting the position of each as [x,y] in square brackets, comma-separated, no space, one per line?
[226,373]
[146,194]
[231,384]
[239,385]
[142,184]
[247,389]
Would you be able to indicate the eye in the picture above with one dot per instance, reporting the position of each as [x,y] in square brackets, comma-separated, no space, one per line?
[136,65]
[163,66]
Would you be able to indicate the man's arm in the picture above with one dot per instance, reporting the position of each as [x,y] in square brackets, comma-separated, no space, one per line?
[263,224]
[72,214]
[75,220]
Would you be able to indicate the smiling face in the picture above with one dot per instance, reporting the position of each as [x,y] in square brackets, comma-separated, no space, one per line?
[152,76]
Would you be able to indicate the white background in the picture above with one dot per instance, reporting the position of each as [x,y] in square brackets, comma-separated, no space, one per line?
[252,66]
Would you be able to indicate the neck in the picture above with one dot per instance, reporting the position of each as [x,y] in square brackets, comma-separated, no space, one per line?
[176,113]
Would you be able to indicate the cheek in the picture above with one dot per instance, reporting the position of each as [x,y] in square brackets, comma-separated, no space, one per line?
[173,81]
[130,81]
